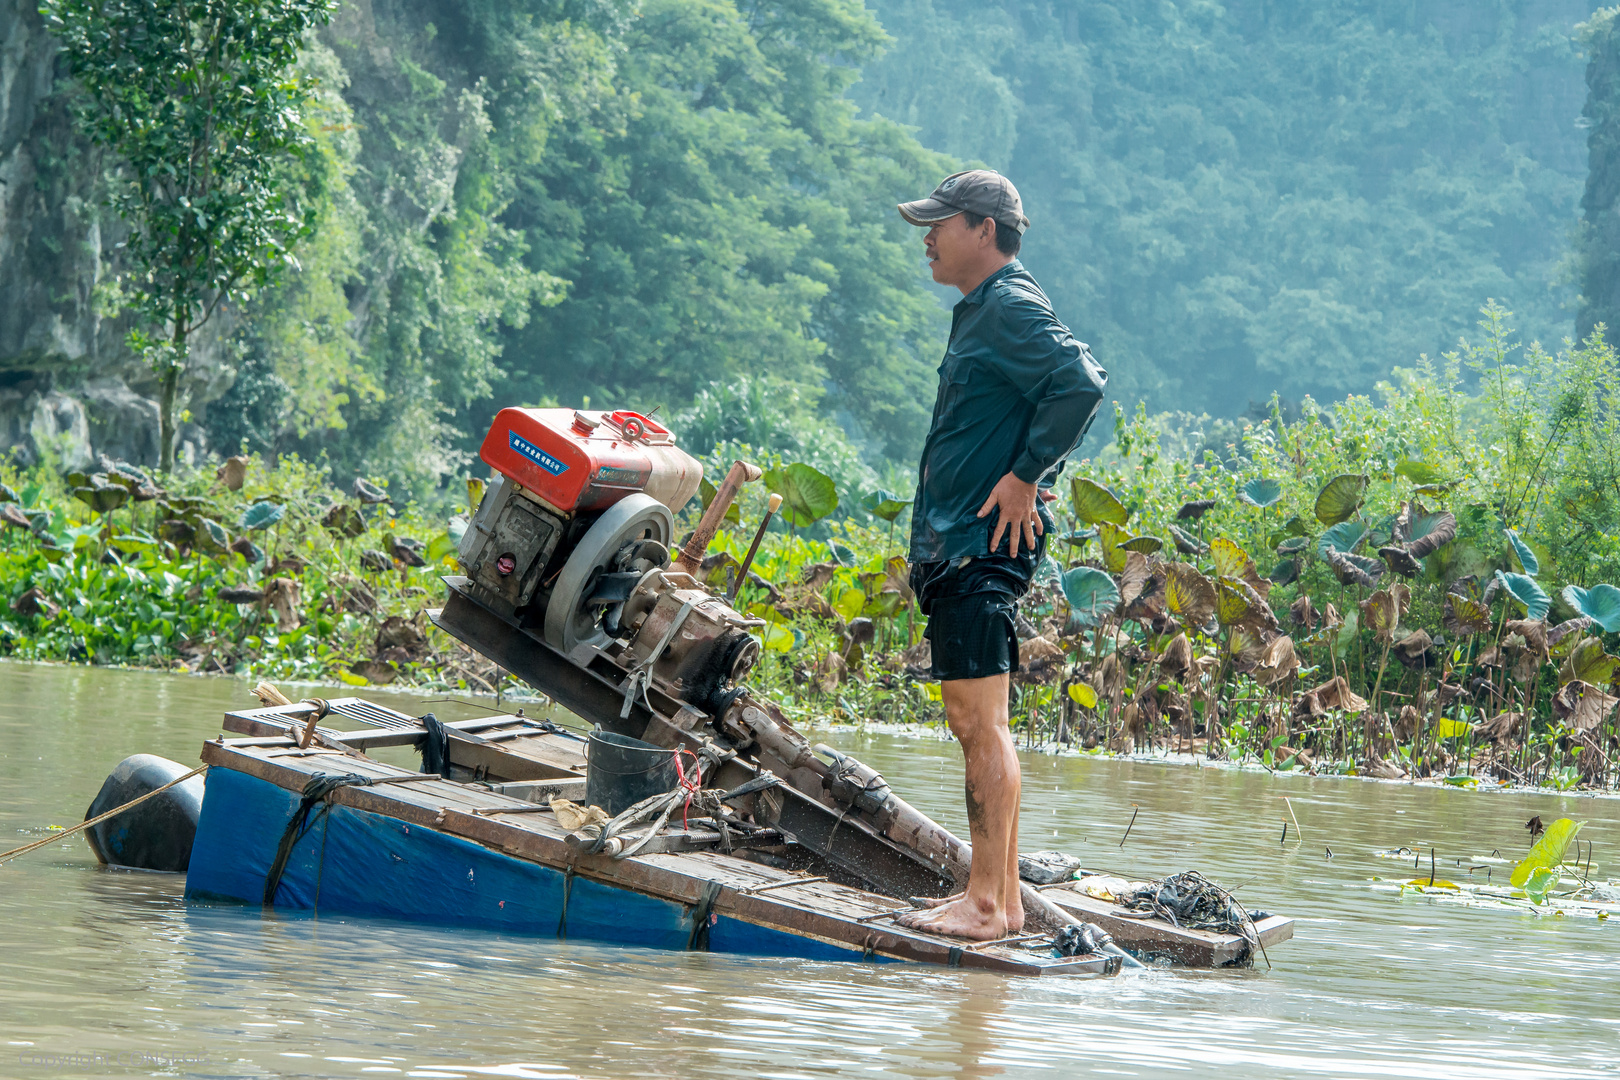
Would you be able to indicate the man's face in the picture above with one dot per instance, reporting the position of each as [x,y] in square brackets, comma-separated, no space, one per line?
[955,251]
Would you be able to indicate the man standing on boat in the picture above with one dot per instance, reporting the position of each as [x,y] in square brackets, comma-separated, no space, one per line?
[1016,394]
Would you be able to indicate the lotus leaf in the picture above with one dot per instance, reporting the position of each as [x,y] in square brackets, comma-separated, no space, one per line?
[1134,578]
[1465,615]
[1341,498]
[9,495]
[1095,504]
[1581,705]
[103,498]
[1540,881]
[1400,560]
[1079,536]
[778,639]
[1083,695]
[1562,639]
[1147,545]
[344,520]
[1296,526]
[1430,533]
[1382,611]
[1600,603]
[1344,538]
[1235,601]
[1548,852]
[1229,559]
[1521,551]
[1113,553]
[443,546]
[475,494]
[211,535]
[1091,593]
[262,515]
[367,492]
[885,505]
[885,605]
[1448,728]
[176,531]
[1192,511]
[1286,572]
[1354,569]
[1589,663]
[247,549]
[1529,595]
[407,551]
[808,494]
[1293,545]
[1261,492]
[1186,543]
[1188,595]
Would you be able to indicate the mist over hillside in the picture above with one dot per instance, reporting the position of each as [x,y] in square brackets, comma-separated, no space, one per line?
[1230,199]
[690,204]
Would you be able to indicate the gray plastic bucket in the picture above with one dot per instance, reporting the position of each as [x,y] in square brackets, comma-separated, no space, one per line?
[621,771]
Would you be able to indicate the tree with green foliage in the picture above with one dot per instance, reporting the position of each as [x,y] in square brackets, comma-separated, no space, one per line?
[1233,198]
[1599,252]
[198,102]
[723,212]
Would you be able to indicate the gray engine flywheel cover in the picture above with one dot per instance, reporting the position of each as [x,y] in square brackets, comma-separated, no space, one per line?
[635,517]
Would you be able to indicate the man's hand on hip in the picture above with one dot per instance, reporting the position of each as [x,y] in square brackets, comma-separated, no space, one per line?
[1015,502]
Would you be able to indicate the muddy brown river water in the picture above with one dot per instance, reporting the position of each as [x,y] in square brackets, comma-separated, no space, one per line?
[108,973]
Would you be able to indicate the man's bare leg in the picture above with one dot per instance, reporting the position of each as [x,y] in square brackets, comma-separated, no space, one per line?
[990,907]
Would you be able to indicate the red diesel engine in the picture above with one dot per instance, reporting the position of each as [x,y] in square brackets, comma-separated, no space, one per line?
[565,475]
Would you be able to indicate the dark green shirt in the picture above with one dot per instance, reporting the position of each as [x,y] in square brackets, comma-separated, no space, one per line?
[1016,394]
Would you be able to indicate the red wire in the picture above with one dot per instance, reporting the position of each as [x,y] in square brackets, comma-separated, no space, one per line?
[687,784]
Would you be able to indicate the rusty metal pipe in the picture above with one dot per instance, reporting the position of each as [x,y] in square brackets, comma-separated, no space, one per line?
[690,559]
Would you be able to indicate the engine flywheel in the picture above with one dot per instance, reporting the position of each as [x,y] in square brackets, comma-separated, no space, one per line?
[571,620]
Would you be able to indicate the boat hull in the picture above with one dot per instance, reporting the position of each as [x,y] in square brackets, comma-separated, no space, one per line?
[357,862]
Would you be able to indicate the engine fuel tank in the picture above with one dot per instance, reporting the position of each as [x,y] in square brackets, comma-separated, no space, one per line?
[580,460]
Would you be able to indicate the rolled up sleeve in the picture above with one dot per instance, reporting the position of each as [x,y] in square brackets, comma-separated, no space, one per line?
[1054,373]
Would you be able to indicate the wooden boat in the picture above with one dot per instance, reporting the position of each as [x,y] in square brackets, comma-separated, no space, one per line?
[478,848]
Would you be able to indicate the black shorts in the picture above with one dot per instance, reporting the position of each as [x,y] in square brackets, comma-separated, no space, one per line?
[971,606]
[973,636]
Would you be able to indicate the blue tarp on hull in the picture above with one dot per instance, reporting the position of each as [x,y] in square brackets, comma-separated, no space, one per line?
[360,863]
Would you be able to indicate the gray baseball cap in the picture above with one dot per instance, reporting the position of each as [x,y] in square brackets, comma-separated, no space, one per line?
[977,191]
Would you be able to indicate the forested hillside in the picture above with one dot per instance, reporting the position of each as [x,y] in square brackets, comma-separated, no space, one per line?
[679,201]
[1230,199]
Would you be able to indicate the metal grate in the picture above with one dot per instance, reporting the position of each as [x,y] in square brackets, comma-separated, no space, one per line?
[366,712]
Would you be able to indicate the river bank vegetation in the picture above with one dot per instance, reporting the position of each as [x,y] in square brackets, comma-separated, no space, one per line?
[1418,585]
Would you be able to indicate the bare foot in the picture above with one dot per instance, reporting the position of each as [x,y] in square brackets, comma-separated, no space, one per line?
[961,918]
[1015,908]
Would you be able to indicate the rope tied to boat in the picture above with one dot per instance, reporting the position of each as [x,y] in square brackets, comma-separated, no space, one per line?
[316,789]
[435,746]
[99,818]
